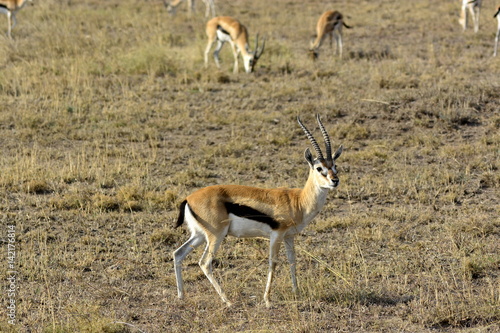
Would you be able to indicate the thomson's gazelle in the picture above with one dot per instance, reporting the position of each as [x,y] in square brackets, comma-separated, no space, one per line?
[172,6]
[474,7]
[227,29]
[214,212]
[497,15]
[10,8]
[330,23]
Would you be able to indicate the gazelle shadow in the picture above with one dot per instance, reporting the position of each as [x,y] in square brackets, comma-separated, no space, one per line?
[368,298]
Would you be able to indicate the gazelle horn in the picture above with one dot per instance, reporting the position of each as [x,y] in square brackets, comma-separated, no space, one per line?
[256,43]
[262,48]
[311,138]
[327,139]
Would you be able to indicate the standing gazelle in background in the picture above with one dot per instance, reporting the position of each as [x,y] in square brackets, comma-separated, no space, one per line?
[10,8]
[330,23]
[474,7]
[497,15]
[172,6]
[214,212]
[227,29]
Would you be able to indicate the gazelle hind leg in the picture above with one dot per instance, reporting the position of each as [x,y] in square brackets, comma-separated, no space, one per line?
[207,50]
[212,7]
[477,20]
[216,52]
[180,254]
[205,263]
[209,6]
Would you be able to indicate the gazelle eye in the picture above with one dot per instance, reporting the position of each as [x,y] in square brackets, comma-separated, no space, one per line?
[319,169]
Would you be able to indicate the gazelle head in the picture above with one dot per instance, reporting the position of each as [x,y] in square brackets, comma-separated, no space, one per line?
[250,59]
[313,53]
[324,169]
[171,9]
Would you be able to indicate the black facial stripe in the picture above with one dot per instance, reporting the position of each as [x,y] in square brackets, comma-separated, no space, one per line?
[321,170]
[251,213]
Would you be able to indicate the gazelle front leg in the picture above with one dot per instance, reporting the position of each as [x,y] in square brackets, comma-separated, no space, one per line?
[463,15]
[474,12]
[275,242]
[9,18]
[497,16]
[290,254]
[190,7]
[11,21]
[236,53]
[496,41]
[339,44]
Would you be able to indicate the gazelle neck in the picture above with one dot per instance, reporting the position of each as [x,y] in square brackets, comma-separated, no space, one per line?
[312,197]
[20,4]
[317,43]
[244,49]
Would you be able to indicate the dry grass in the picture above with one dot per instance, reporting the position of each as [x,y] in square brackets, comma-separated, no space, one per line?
[108,120]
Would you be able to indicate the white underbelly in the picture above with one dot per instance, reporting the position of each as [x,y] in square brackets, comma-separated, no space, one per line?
[242,227]
[223,37]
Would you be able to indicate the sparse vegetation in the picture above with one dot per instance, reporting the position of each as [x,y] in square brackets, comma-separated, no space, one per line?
[108,119]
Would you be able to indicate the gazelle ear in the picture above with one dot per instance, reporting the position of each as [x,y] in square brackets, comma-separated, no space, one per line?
[309,158]
[338,152]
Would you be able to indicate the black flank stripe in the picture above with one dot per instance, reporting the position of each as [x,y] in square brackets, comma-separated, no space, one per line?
[250,213]
[222,30]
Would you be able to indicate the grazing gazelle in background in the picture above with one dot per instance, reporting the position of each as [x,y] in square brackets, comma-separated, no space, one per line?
[214,212]
[172,6]
[10,8]
[474,7]
[330,23]
[227,29]
[497,15]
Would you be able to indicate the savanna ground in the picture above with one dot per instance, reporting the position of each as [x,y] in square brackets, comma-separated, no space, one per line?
[108,120]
